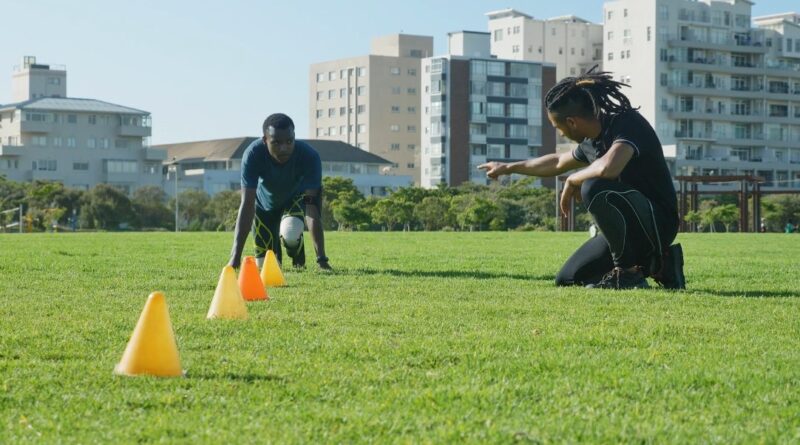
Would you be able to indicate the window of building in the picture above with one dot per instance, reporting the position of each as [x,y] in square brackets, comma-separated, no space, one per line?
[515,48]
[332,75]
[410,165]
[319,132]
[331,94]
[41,141]
[45,165]
[395,128]
[625,12]
[320,95]
[361,71]
[331,112]
[360,91]
[516,29]
[113,166]
[394,71]
[395,108]
[649,33]
[610,35]
[331,131]
[320,113]
[72,118]
[342,129]
[609,15]
[411,91]
[412,110]
[57,141]
[91,143]
[415,53]
[412,71]
[397,90]
[394,147]
[342,92]
[496,68]
[83,166]
[71,142]
[320,77]
[361,109]
[342,111]
[411,147]
[92,119]
[560,50]
[104,143]
[362,128]
[553,31]
[121,143]
[411,129]
[498,35]
[610,56]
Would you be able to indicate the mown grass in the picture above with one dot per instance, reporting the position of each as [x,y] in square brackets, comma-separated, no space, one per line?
[418,337]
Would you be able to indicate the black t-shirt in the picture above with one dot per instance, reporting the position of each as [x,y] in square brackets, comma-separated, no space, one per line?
[647,171]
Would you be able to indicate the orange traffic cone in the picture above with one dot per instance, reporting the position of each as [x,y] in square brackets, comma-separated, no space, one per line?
[228,302]
[152,349]
[250,282]
[271,273]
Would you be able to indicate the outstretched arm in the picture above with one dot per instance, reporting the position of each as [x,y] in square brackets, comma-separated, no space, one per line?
[548,165]
[244,221]
[313,201]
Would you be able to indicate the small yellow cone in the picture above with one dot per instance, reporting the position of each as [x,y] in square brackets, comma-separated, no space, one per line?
[152,349]
[228,302]
[271,273]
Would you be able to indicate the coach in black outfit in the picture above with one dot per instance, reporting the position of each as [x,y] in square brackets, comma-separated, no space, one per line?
[625,184]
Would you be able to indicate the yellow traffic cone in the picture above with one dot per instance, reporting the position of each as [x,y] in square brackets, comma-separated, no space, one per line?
[271,273]
[228,302]
[152,349]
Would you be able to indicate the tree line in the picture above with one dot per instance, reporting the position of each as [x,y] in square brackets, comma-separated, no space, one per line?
[469,207]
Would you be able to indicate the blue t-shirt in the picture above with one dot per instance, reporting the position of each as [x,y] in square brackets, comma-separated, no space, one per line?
[277,183]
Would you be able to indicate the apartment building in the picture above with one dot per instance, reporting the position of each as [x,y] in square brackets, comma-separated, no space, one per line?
[373,101]
[46,135]
[573,44]
[721,89]
[477,108]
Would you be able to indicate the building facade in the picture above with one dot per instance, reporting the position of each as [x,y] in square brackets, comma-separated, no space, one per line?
[373,101]
[214,166]
[722,90]
[476,108]
[573,44]
[46,135]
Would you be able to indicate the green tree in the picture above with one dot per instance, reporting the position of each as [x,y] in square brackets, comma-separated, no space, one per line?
[223,210]
[727,214]
[149,204]
[192,208]
[433,212]
[105,207]
[781,209]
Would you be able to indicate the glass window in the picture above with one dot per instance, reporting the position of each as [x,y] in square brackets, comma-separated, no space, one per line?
[496,68]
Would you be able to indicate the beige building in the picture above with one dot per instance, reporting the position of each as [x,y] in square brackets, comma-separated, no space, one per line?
[723,95]
[571,43]
[373,101]
[45,135]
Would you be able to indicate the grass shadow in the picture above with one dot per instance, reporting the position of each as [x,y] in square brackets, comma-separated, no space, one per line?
[247,377]
[479,275]
[747,293]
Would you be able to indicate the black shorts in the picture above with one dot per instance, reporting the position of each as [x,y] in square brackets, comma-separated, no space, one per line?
[266,225]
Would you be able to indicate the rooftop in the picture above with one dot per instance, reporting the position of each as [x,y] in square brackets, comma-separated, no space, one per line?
[233,148]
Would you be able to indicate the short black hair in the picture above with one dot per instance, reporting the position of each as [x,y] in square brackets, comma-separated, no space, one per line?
[278,121]
[588,95]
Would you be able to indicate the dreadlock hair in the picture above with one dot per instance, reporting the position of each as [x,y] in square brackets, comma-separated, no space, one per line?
[278,121]
[588,95]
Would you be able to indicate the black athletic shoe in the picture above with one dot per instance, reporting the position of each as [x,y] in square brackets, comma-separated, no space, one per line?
[619,278]
[671,274]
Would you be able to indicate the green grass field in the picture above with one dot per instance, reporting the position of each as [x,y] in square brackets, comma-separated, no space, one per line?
[418,337]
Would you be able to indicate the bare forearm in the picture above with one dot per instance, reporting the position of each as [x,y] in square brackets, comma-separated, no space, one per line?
[547,165]
[244,221]
[317,235]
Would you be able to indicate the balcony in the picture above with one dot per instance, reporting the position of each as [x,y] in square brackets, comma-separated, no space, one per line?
[133,130]
[693,135]
[154,154]
[11,150]
[35,127]
[734,45]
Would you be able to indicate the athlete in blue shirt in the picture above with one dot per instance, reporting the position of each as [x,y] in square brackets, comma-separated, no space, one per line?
[280,176]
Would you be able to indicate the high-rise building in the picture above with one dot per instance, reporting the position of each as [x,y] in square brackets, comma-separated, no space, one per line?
[723,95]
[45,135]
[373,101]
[477,108]
[573,44]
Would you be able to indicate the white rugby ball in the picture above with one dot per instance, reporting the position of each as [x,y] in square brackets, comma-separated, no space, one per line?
[291,230]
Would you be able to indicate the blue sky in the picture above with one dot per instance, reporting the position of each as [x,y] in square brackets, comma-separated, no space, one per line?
[216,69]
